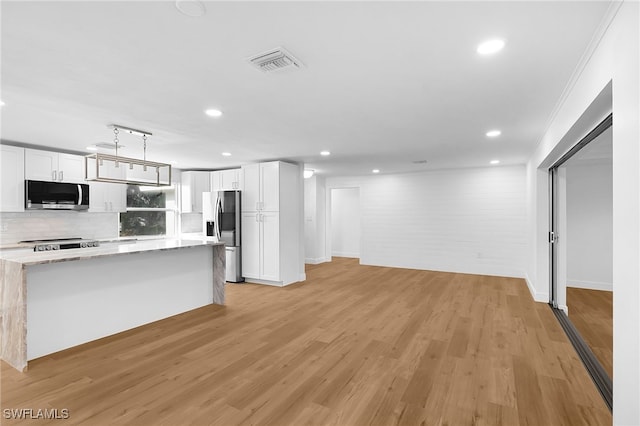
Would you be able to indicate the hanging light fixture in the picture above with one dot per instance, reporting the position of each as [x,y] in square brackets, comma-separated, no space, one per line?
[106,168]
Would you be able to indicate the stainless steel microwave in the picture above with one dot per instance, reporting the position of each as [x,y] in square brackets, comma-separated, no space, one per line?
[41,195]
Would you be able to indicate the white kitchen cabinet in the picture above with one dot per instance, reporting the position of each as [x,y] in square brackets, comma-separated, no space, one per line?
[107,197]
[231,180]
[261,246]
[53,166]
[271,223]
[262,186]
[12,176]
[216,181]
[227,180]
[251,248]
[193,184]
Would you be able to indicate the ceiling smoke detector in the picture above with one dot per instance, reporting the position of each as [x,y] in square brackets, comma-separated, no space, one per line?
[274,59]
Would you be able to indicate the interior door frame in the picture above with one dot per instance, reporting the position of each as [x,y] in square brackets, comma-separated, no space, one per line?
[554,204]
[599,376]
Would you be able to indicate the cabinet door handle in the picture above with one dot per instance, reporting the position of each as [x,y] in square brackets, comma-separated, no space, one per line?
[257,217]
[55,175]
[61,172]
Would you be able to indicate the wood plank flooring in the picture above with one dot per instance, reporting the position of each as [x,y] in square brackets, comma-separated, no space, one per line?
[591,312]
[353,345]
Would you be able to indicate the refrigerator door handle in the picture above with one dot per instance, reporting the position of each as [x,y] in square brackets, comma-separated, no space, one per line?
[216,216]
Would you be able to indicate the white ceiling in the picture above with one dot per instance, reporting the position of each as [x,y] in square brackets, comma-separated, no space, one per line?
[384,83]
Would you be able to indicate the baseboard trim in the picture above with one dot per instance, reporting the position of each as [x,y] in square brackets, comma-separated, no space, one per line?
[590,285]
[345,254]
[537,297]
[315,260]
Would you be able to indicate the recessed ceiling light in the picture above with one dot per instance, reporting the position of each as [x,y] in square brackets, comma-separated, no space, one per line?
[325,153]
[493,133]
[2,103]
[226,154]
[490,46]
[375,171]
[92,148]
[495,161]
[193,8]
[308,173]
[213,112]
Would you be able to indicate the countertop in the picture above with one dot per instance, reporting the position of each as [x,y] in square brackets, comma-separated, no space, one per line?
[26,256]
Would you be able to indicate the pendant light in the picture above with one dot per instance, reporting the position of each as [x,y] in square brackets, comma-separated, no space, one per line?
[106,168]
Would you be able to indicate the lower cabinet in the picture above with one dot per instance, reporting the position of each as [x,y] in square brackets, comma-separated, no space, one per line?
[261,246]
[107,197]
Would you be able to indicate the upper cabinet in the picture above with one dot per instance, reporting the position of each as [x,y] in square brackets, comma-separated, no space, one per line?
[262,186]
[53,166]
[107,197]
[231,180]
[12,178]
[227,180]
[193,184]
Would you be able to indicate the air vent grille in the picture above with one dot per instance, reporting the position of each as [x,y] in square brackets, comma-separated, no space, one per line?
[109,145]
[274,59]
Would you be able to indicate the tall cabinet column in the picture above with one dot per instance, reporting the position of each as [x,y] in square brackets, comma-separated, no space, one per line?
[270,223]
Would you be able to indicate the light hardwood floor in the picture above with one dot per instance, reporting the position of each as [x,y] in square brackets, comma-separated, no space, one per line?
[353,345]
[591,312]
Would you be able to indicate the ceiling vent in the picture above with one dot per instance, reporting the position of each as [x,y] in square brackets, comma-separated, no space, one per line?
[109,145]
[274,59]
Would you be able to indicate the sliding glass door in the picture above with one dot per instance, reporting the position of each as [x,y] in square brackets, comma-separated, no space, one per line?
[581,250]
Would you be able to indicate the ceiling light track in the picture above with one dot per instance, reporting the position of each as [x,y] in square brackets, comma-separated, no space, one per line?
[129,130]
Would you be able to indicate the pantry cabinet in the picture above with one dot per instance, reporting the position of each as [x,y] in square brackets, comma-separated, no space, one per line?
[12,175]
[53,166]
[261,246]
[271,223]
[262,186]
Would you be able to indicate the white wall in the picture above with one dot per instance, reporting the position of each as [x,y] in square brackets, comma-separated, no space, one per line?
[345,222]
[608,81]
[464,220]
[589,235]
[314,220]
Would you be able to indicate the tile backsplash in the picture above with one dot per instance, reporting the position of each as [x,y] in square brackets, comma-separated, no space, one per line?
[191,222]
[34,225]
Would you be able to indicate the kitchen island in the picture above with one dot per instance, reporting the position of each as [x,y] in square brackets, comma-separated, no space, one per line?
[55,300]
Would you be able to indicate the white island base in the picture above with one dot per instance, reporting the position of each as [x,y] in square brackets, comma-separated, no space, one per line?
[83,298]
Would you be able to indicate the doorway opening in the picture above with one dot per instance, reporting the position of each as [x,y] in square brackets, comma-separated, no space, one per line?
[581,250]
[345,222]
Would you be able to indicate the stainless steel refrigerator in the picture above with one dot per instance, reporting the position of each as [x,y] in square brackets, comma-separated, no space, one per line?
[221,214]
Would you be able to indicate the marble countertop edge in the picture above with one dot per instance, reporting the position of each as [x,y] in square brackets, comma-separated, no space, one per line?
[27,257]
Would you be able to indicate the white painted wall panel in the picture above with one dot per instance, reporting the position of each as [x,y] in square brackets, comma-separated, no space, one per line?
[465,220]
[345,222]
[590,225]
